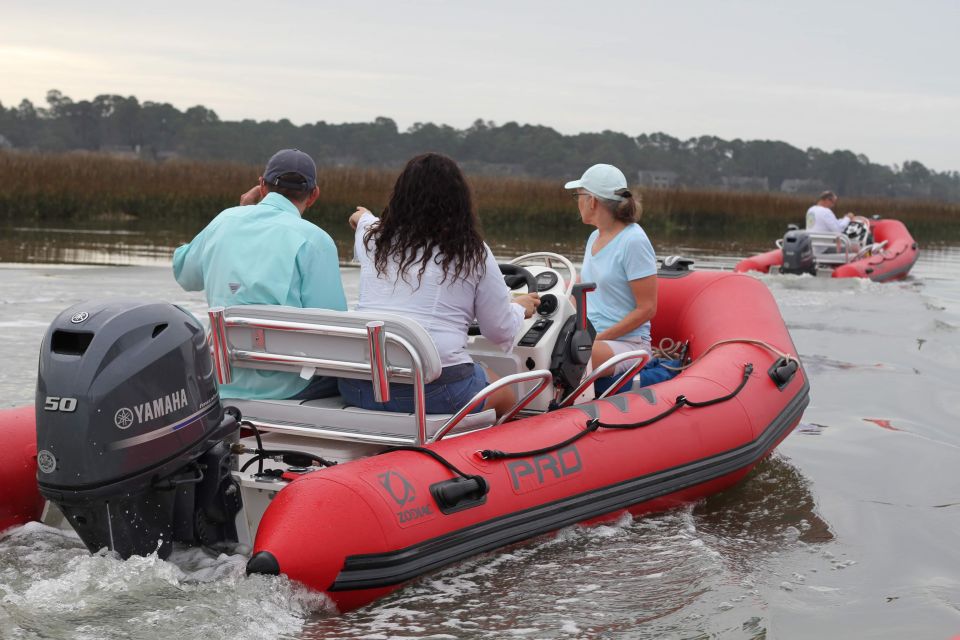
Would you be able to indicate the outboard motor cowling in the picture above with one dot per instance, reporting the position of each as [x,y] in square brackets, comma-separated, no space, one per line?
[798,253]
[130,431]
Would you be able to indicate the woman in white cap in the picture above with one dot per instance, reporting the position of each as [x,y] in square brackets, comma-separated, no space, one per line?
[620,260]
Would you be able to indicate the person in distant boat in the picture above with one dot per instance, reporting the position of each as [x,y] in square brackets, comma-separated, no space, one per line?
[820,217]
[424,258]
[264,252]
[620,260]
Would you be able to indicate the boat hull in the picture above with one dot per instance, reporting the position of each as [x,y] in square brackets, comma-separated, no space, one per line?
[21,500]
[374,524]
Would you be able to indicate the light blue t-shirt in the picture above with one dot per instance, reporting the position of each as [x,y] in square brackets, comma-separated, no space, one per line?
[629,256]
[262,254]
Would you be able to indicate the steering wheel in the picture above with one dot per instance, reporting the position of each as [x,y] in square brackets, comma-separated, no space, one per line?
[514,276]
[547,258]
[858,229]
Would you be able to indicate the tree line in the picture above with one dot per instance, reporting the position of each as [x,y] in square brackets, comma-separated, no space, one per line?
[125,126]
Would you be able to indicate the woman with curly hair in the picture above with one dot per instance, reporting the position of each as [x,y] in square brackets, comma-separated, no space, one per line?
[424,258]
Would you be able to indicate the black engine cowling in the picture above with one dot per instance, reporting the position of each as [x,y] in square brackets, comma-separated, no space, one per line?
[798,253]
[133,444]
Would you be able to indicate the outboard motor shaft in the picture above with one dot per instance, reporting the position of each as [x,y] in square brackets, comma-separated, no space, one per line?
[133,444]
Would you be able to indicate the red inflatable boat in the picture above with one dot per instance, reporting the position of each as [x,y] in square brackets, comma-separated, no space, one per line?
[21,501]
[880,250]
[355,503]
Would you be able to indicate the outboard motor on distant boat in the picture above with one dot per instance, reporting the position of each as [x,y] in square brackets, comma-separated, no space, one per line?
[133,444]
[798,253]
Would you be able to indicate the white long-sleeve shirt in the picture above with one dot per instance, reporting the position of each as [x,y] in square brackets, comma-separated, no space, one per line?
[821,220]
[444,309]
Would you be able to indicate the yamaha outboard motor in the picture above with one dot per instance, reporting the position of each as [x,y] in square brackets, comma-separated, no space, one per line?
[798,253]
[133,444]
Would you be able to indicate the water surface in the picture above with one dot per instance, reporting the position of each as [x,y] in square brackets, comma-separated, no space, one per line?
[849,530]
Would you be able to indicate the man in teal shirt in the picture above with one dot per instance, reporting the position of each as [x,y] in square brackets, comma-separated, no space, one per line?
[266,253]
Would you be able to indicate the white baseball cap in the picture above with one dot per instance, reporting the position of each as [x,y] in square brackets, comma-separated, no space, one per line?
[603,180]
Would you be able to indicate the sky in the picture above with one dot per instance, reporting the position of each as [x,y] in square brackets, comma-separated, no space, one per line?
[875,77]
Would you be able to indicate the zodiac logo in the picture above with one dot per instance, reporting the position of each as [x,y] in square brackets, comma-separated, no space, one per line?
[398,487]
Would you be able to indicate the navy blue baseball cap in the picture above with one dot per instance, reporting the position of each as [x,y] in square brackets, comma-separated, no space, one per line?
[288,164]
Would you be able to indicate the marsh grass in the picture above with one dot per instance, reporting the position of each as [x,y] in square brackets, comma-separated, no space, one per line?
[180,197]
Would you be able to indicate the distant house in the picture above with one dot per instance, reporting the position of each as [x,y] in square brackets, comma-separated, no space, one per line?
[657,179]
[131,152]
[4,143]
[167,155]
[745,183]
[909,190]
[801,185]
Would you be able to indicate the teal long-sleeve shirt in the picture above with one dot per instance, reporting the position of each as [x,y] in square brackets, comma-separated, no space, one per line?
[262,254]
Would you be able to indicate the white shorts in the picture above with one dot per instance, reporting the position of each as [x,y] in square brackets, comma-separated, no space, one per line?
[622,346]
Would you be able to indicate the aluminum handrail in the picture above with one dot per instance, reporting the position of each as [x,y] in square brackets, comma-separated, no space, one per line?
[376,341]
[330,434]
[642,356]
[545,378]
[837,239]
[872,248]
[642,359]
[218,331]
[543,375]
[335,331]
[301,327]
[242,355]
[220,348]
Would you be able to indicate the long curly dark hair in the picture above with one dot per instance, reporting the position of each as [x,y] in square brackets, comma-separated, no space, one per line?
[430,217]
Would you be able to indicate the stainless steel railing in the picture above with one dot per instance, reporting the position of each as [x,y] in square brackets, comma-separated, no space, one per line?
[641,356]
[544,376]
[379,370]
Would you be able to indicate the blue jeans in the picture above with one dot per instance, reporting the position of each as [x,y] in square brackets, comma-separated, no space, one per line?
[652,373]
[447,394]
[319,387]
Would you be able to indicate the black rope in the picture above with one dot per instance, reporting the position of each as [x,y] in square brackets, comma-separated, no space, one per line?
[595,424]
[494,454]
[747,370]
[436,456]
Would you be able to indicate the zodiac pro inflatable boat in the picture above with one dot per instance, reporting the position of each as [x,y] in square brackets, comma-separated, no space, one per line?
[880,250]
[131,446]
